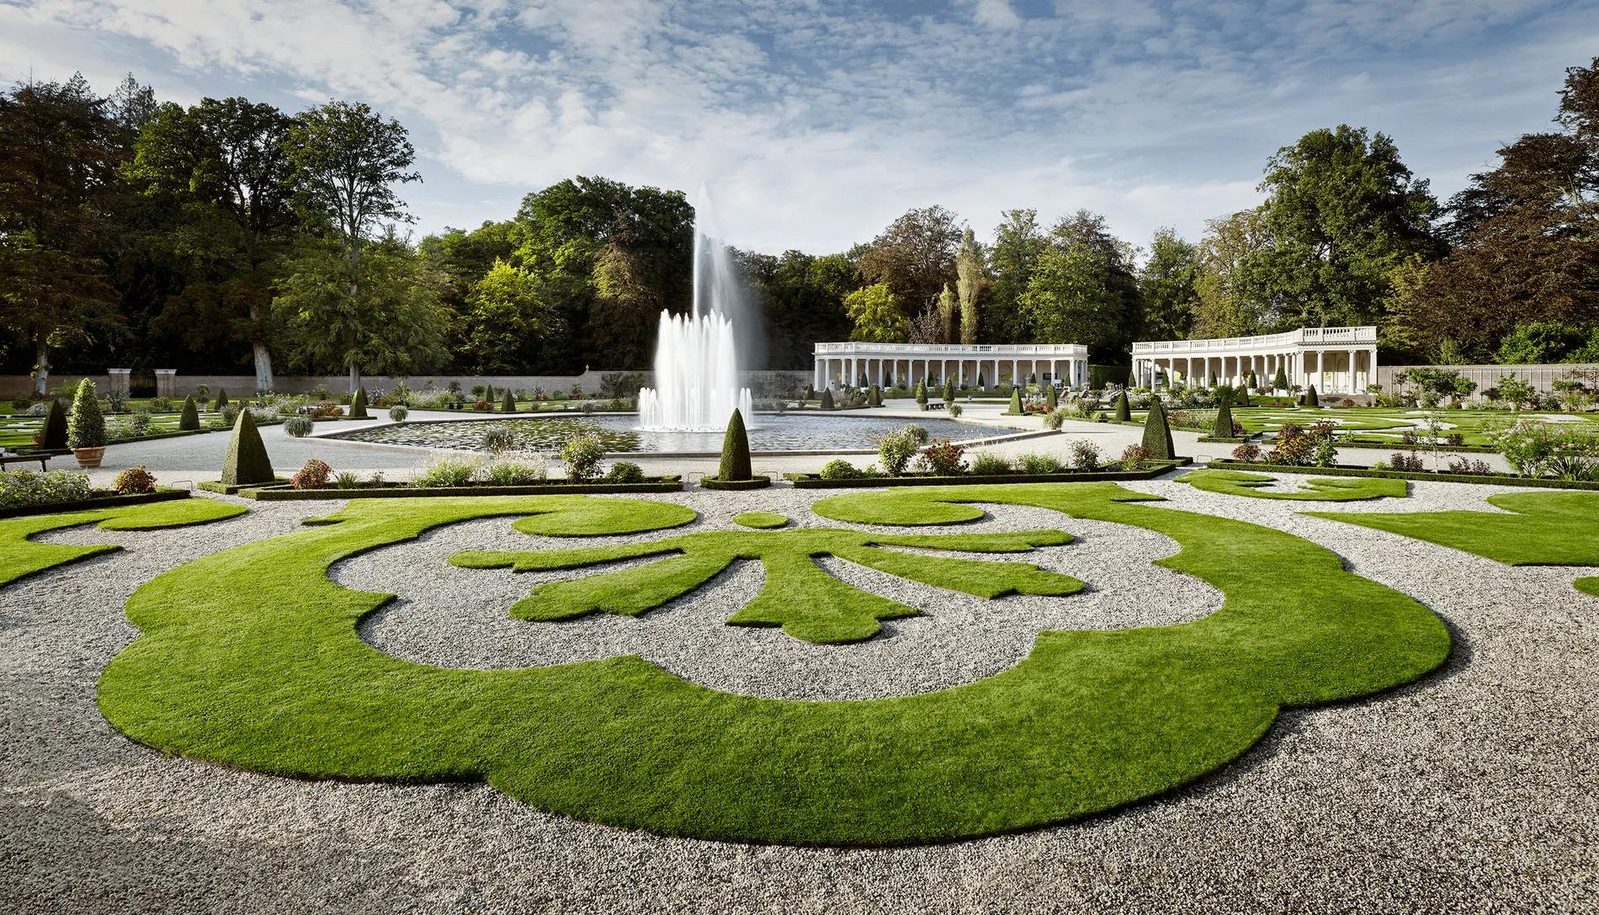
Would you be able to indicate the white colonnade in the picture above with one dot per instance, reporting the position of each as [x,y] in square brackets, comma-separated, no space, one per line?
[1336,360]
[967,365]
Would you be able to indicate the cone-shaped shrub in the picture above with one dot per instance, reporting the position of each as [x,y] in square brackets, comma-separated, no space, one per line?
[246,461]
[222,399]
[921,394]
[1124,410]
[1224,414]
[54,435]
[949,391]
[1311,398]
[358,404]
[1051,399]
[876,397]
[1015,402]
[735,451]
[508,404]
[1243,396]
[827,398]
[189,418]
[86,428]
[1280,383]
[1157,433]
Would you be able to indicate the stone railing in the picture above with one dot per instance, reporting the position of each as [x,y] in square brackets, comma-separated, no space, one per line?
[1305,336]
[1027,350]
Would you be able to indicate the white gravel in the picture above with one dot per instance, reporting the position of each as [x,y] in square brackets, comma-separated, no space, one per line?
[1474,790]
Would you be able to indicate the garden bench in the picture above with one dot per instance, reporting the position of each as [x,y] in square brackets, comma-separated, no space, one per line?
[43,457]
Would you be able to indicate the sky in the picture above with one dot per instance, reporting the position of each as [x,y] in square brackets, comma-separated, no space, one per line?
[816,123]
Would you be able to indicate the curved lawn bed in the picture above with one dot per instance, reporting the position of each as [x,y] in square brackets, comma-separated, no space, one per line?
[20,556]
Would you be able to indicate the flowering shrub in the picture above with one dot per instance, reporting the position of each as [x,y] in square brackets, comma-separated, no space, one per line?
[897,448]
[944,458]
[1249,453]
[582,456]
[1085,455]
[1301,447]
[1539,449]
[135,479]
[314,475]
[27,488]
[1135,457]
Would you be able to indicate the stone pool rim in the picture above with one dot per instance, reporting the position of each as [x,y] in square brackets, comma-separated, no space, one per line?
[346,435]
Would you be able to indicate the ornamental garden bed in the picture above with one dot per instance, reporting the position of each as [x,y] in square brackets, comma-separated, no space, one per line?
[103,498]
[397,490]
[1347,470]
[1155,469]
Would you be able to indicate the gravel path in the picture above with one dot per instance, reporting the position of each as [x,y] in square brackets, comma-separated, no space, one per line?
[1474,790]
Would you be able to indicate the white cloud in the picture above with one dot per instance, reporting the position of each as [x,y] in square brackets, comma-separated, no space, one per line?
[996,14]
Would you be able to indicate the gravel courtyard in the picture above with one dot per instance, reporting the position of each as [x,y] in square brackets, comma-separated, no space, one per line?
[1475,789]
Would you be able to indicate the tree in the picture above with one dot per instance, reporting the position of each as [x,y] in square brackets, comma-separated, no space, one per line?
[877,315]
[803,298]
[1018,245]
[223,166]
[385,317]
[949,316]
[1342,210]
[86,426]
[971,279]
[1157,438]
[58,175]
[1526,237]
[1083,289]
[914,257]
[735,464]
[1224,306]
[347,161]
[1540,342]
[1166,284]
[504,318]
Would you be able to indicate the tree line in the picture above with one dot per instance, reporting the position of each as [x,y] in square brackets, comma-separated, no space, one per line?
[229,234]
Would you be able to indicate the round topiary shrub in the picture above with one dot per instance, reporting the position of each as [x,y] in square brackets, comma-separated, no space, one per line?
[625,472]
[399,412]
[189,418]
[839,469]
[299,426]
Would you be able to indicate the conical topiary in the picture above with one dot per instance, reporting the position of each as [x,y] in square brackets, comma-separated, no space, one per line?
[1280,382]
[222,399]
[735,451]
[949,391]
[54,435]
[1243,396]
[1015,402]
[508,403]
[876,397]
[1051,399]
[1224,414]
[189,418]
[827,398]
[1312,399]
[246,461]
[1124,410]
[86,428]
[921,394]
[1157,433]
[358,404]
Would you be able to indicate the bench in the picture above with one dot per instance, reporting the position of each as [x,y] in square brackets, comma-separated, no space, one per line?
[43,457]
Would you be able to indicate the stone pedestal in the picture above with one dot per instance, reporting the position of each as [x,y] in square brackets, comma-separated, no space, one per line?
[118,383]
[166,382]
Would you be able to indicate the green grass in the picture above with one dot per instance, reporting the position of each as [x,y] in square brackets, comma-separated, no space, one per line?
[760,519]
[1543,529]
[798,595]
[251,658]
[21,556]
[1318,489]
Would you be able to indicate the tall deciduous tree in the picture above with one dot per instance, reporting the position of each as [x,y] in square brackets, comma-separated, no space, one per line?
[1166,284]
[224,165]
[348,161]
[971,280]
[1018,245]
[877,316]
[59,161]
[914,257]
[1526,237]
[505,318]
[1224,304]
[1342,211]
[1083,289]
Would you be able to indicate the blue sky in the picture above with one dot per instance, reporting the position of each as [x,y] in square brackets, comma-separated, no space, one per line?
[816,123]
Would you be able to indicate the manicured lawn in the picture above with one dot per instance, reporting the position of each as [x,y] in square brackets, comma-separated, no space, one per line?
[760,519]
[798,594]
[20,556]
[1315,489]
[1545,529]
[251,658]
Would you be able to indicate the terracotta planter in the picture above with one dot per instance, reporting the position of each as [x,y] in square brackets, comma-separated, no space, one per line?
[89,457]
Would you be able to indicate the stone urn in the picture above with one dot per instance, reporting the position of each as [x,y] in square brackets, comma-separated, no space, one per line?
[89,457]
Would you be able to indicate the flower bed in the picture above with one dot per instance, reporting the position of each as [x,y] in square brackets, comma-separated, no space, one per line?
[1155,469]
[99,498]
[397,490]
[1347,470]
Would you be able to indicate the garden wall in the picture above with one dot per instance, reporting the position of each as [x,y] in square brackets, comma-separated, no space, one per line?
[21,385]
[1541,377]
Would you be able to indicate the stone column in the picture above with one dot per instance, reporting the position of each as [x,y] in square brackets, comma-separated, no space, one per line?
[117,382]
[166,382]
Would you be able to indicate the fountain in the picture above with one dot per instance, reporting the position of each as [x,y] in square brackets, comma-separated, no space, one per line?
[696,355]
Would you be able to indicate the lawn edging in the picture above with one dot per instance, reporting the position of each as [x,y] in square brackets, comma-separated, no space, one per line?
[1341,470]
[284,493]
[813,481]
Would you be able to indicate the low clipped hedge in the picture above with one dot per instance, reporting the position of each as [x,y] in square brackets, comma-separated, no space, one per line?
[735,485]
[1155,469]
[398,490]
[103,498]
[1437,476]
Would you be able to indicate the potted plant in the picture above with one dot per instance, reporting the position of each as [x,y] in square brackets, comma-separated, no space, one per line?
[86,427]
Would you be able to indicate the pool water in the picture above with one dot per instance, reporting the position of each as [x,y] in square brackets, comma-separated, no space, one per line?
[620,432]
